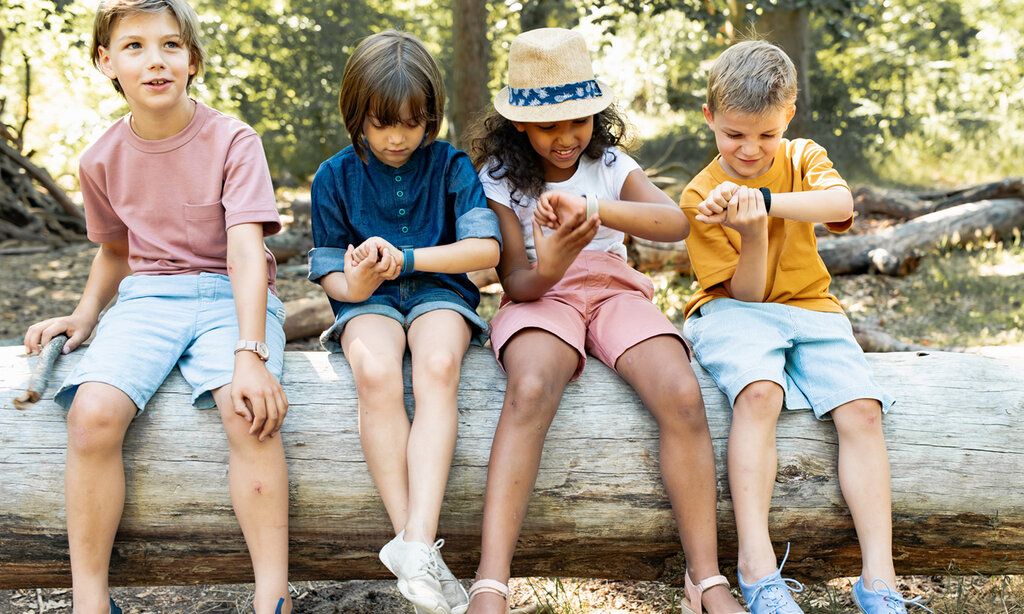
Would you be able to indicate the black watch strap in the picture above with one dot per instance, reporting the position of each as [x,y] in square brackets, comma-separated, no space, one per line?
[767,194]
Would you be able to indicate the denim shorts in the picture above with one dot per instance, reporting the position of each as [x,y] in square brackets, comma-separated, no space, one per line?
[163,321]
[404,301]
[812,355]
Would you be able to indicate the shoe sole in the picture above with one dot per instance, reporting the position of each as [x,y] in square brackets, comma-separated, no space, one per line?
[422,606]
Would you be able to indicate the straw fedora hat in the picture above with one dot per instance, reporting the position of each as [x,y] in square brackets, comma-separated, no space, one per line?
[550,79]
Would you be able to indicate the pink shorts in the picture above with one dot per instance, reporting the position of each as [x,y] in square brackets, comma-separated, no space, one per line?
[601,306]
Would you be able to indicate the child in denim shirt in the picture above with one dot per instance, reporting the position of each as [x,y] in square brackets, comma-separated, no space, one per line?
[398,220]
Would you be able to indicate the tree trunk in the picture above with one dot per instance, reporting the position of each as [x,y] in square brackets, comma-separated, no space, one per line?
[896,250]
[471,65]
[790,30]
[598,510]
[909,205]
[547,14]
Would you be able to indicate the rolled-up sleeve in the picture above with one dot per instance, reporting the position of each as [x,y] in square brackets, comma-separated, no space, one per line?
[331,236]
[474,219]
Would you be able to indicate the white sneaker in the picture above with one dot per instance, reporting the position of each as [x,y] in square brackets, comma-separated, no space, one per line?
[418,573]
[454,593]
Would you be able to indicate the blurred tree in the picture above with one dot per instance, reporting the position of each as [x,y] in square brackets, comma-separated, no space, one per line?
[470,68]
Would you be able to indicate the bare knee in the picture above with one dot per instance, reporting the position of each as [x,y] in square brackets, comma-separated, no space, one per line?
[94,426]
[859,418]
[677,405]
[377,377]
[439,367]
[531,397]
[759,401]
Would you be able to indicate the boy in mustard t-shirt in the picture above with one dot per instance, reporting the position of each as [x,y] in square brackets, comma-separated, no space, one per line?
[765,326]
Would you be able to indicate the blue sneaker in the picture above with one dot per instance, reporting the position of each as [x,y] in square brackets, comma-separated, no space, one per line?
[881,599]
[113,607]
[771,594]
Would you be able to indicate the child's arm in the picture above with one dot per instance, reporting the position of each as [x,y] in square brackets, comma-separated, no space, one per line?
[643,211]
[746,215]
[472,254]
[360,280]
[109,267]
[256,394]
[523,282]
[829,206]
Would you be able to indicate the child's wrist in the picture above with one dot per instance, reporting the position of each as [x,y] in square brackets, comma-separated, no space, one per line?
[408,260]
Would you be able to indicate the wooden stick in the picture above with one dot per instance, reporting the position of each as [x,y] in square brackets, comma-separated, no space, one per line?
[41,373]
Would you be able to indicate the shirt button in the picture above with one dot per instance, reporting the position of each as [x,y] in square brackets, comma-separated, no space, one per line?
[401,193]
[401,212]
[405,229]
[398,178]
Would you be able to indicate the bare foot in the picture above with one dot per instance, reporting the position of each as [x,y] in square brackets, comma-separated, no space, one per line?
[487,603]
[718,600]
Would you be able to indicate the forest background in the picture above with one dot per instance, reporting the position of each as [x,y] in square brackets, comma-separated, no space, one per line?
[904,94]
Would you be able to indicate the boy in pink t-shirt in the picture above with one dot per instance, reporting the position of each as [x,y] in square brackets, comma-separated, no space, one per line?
[179,198]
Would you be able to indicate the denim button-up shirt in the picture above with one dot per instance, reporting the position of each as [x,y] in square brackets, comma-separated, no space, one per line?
[435,198]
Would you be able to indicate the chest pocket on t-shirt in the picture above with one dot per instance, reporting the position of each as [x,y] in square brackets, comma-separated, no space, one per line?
[204,228]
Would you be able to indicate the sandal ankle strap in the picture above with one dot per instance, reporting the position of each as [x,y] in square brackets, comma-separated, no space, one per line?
[713,581]
[489,586]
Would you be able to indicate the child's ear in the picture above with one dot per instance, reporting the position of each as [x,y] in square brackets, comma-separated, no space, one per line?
[520,126]
[104,63]
[709,117]
[790,112]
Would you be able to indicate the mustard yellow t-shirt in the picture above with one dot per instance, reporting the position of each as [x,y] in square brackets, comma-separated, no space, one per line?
[796,274]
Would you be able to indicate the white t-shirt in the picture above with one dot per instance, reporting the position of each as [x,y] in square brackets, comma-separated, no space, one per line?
[601,177]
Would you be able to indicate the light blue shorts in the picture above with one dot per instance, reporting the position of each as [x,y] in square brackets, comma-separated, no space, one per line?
[163,321]
[812,355]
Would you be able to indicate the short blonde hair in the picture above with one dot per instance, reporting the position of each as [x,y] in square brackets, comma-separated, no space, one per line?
[386,71]
[752,77]
[110,12]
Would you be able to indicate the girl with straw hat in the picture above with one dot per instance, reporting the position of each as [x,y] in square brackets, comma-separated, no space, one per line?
[565,194]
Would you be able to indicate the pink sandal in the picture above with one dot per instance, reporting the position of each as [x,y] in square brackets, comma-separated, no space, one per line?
[694,592]
[490,586]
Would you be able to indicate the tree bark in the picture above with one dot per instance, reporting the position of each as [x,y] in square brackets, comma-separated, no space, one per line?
[598,510]
[471,64]
[910,205]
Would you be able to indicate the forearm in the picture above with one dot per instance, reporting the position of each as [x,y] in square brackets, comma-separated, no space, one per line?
[247,269]
[460,257]
[819,206]
[748,282]
[653,221]
[528,284]
[109,267]
[336,285]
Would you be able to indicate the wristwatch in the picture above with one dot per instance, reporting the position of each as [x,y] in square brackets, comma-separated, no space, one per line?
[257,347]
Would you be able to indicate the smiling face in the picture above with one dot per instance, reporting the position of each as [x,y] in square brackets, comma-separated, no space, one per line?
[148,59]
[748,142]
[559,144]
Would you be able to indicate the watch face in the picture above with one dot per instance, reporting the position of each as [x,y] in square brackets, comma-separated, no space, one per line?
[262,350]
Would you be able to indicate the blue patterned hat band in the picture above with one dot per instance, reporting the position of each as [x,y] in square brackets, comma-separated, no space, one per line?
[555,94]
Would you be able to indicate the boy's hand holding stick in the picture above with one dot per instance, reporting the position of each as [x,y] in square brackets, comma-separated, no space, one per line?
[42,372]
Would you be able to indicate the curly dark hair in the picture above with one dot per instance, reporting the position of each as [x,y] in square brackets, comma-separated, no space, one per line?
[493,138]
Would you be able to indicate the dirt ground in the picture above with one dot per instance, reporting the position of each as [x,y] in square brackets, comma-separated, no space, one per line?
[966,294]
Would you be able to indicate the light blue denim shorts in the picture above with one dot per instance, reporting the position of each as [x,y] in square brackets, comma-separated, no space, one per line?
[163,321]
[812,355]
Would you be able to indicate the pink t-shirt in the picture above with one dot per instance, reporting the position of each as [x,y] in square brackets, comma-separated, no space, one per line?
[175,198]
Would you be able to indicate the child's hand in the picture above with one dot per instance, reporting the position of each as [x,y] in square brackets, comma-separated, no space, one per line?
[557,251]
[76,327]
[366,276]
[557,208]
[712,210]
[257,396]
[374,248]
[746,213]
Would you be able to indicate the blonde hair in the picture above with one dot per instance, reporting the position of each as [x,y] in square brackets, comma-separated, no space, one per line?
[752,77]
[110,12]
[386,72]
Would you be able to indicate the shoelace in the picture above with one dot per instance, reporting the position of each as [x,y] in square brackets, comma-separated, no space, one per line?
[772,592]
[893,600]
[435,554]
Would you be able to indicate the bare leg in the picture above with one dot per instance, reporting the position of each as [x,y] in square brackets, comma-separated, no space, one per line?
[864,478]
[438,341]
[375,346]
[659,371]
[94,488]
[539,366]
[258,479]
[753,461]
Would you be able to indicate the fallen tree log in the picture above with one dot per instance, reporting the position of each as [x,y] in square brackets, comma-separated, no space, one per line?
[909,205]
[896,250]
[599,509]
